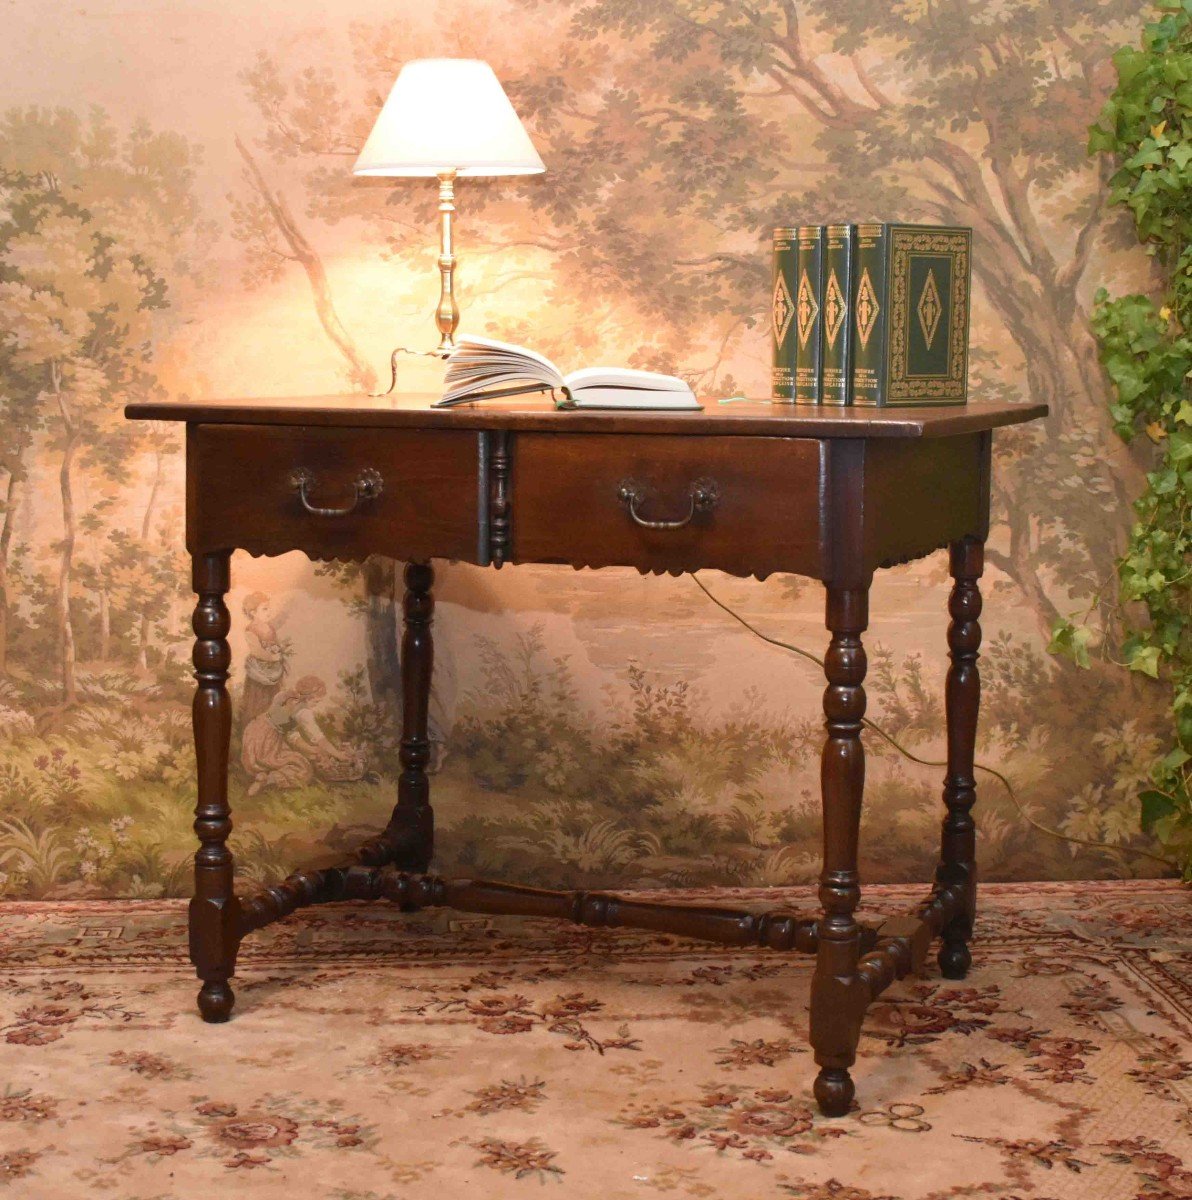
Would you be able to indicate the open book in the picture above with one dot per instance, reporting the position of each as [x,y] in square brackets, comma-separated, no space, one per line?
[483,369]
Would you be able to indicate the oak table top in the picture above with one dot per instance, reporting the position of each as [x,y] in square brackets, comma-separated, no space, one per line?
[752,418]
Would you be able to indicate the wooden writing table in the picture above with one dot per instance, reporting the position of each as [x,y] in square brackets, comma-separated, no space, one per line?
[749,489]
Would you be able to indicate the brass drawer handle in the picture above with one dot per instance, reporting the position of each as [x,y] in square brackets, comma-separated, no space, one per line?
[368,486]
[703,496]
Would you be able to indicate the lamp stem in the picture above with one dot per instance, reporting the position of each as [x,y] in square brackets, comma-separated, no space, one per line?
[447,314]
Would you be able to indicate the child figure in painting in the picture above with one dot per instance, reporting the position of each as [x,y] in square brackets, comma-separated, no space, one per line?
[264,664]
[284,747]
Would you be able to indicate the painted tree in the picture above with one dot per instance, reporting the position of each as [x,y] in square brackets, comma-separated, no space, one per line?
[50,318]
[677,133]
[92,226]
[263,221]
[137,566]
[94,575]
[20,419]
[153,551]
[743,116]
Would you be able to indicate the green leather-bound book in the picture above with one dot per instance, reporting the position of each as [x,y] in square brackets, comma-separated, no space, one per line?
[809,315]
[839,250]
[782,316]
[910,315]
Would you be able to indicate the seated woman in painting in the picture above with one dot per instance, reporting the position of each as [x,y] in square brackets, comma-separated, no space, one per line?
[284,747]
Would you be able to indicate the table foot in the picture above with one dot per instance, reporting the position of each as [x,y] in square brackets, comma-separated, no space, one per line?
[834,1091]
[406,843]
[954,959]
[215,1001]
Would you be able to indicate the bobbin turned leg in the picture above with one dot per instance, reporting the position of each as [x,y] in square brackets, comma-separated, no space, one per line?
[957,866]
[409,838]
[839,995]
[214,910]
[417,663]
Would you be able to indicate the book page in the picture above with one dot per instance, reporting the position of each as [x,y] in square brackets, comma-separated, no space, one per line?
[479,365]
[510,350]
[625,377]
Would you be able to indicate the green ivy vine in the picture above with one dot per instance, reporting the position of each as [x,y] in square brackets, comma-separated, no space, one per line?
[1146,348]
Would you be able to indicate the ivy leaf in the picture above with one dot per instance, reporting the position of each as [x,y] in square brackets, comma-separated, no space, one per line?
[1155,806]
[1181,446]
[1176,759]
[1145,659]
[1180,154]
[1071,641]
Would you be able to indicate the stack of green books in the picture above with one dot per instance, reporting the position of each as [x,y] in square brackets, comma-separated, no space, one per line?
[871,314]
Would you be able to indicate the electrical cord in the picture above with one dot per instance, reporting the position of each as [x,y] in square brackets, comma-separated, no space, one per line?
[393,367]
[925,762]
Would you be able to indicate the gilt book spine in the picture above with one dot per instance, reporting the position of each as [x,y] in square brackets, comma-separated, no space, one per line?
[837,335]
[782,316]
[910,315]
[809,309]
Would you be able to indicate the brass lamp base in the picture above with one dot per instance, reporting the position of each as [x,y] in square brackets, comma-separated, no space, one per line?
[447,314]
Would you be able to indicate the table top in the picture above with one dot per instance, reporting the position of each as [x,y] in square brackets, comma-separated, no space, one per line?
[751,418]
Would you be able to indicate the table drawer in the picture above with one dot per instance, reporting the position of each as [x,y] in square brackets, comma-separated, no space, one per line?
[334,493]
[660,503]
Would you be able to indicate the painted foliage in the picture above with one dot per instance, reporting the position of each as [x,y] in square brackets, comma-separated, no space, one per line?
[191,228]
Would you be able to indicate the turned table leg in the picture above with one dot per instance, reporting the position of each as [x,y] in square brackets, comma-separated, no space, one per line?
[408,840]
[214,910]
[417,664]
[957,864]
[838,994]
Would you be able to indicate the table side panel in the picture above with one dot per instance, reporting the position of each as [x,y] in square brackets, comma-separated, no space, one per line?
[921,496]
[768,515]
[240,493]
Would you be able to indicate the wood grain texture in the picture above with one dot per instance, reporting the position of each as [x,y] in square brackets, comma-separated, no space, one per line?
[778,930]
[214,913]
[756,418]
[414,818]
[240,492]
[921,497]
[408,839]
[567,508]
[839,994]
[751,491]
[962,699]
[500,467]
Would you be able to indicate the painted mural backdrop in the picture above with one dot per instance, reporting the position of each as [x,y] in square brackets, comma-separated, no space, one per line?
[178,218]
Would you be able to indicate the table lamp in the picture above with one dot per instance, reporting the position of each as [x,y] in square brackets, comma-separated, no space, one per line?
[447,117]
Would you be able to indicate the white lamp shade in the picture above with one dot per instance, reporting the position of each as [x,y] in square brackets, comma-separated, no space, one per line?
[448,114]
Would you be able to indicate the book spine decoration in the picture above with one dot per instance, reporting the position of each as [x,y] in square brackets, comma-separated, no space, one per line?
[782,317]
[837,339]
[809,315]
[869,312]
[911,315]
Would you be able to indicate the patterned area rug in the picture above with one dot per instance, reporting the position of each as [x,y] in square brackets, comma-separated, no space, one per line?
[375,1055]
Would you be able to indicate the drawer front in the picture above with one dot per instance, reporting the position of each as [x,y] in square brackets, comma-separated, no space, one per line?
[334,493]
[747,505]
